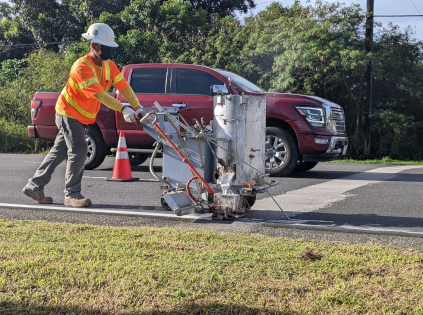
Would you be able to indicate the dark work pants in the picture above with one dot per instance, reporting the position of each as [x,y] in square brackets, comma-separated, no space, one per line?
[70,144]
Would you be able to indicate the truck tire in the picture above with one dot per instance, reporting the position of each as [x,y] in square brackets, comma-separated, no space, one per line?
[97,149]
[281,154]
[305,166]
[136,159]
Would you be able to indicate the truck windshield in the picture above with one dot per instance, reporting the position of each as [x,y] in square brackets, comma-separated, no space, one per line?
[240,81]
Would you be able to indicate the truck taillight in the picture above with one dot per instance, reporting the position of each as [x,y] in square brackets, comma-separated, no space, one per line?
[35,105]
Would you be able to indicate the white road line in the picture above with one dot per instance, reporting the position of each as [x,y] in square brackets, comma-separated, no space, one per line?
[207,217]
[329,224]
[141,212]
[322,195]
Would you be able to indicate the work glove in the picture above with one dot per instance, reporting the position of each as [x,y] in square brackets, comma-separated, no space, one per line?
[128,114]
[139,111]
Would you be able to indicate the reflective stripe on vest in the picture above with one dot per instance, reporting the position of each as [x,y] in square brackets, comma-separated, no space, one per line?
[75,85]
[107,75]
[88,83]
[118,78]
[78,108]
[107,70]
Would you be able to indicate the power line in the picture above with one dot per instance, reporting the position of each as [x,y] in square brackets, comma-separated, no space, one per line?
[36,44]
[399,15]
[416,7]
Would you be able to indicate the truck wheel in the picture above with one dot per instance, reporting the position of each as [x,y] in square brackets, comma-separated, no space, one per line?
[136,159]
[97,149]
[281,154]
[305,166]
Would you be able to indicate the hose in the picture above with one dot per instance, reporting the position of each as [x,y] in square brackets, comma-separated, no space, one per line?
[156,149]
[189,190]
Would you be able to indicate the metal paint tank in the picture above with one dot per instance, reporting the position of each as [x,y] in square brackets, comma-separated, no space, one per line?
[242,120]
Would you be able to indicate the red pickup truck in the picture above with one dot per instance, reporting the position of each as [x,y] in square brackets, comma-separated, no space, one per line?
[301,130]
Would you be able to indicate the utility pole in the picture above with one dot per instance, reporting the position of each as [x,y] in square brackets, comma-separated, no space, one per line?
[369,78]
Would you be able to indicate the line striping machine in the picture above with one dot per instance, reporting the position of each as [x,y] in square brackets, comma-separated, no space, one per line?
[216,168]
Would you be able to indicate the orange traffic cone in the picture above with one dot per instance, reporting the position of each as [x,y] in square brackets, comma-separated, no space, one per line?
[122,168]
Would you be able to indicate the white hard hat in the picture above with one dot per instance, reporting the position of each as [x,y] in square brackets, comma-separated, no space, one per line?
[102,34]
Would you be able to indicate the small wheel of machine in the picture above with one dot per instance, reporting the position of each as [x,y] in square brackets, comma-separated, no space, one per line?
[164,204]
[251,200]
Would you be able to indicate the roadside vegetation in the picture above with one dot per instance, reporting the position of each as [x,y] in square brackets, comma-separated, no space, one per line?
[50,268]
[384,161]
[313,49]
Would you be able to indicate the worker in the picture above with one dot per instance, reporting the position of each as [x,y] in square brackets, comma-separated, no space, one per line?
[90,80]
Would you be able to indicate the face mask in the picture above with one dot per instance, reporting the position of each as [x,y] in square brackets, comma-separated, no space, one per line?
[106,52]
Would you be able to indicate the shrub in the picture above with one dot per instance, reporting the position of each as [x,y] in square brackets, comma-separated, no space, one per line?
[14,139]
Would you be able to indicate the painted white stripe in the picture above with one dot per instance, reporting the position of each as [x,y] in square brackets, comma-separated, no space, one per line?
[207,217]
[322,195]
[328,224]
[141,212]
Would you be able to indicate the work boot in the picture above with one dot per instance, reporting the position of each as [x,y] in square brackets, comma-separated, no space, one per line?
[38,196]
[78,202]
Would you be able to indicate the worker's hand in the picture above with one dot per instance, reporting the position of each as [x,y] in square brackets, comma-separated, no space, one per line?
[139,111]
[128,114]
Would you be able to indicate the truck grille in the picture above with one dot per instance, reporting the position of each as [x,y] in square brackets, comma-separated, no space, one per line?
[338,120]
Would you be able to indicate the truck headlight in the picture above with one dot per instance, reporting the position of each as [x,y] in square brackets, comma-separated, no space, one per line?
[314,115]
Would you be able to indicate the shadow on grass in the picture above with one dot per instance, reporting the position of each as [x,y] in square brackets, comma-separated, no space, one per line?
[12,308]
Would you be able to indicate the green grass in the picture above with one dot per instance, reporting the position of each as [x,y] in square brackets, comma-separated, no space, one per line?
[384,161]
[81,269]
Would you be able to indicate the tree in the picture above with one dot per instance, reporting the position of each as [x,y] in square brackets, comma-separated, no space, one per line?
[86,12]
[5,11]
[10,69]
[14,40]
[148,31]
[223,7]
[398,95]
[48,21]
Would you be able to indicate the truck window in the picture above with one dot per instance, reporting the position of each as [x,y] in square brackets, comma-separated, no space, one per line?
[148,80]
[195,82]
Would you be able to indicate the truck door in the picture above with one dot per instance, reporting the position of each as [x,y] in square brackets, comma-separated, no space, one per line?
[190,92]
[149,85]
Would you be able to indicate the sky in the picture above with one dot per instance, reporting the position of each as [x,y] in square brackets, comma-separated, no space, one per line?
[381,7]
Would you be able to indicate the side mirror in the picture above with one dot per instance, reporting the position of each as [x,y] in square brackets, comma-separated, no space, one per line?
[219,90]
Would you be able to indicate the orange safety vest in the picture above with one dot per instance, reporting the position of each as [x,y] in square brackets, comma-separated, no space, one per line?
[77,98]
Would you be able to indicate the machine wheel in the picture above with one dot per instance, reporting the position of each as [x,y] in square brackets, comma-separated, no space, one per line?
[164,204]
[97,149]
[305,166]
[136,159]
[281,152]
[251,200]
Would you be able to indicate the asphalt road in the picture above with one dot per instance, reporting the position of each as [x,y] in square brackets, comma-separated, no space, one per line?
[348,203]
